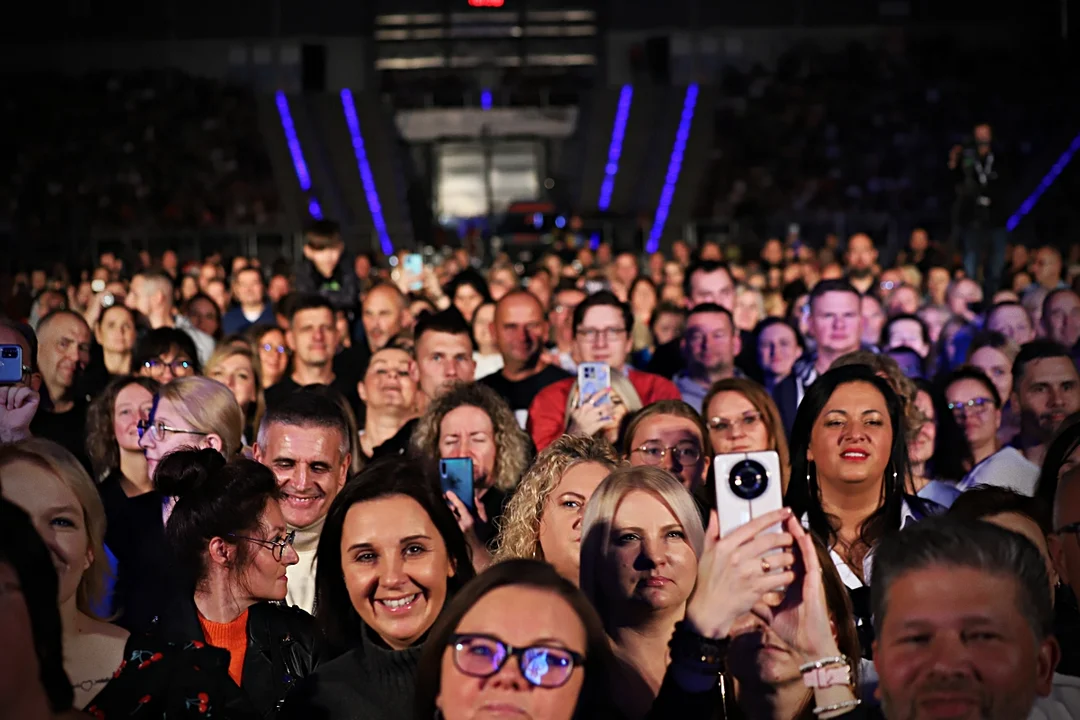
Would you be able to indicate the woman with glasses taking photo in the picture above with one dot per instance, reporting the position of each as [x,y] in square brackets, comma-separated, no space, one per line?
[741,417]
[231,549]
[975,406]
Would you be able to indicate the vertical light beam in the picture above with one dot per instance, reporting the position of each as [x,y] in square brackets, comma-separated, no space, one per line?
[618,134]
[366,178]
[671,179]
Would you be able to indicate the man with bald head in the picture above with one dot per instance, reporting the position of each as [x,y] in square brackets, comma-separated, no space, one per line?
[63,353]
[385,314]
[152,295]
[521,330]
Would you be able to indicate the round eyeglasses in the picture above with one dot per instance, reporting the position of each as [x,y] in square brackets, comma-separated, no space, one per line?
[975,406]
[179,368]
[276,546]
[544,666]
[684,453]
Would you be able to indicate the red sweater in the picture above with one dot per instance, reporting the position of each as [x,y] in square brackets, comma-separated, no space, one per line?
[548,408]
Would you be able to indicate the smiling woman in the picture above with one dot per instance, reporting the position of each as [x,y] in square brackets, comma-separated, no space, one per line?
[390,556]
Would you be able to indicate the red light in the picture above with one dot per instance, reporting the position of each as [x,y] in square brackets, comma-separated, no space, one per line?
[487,3]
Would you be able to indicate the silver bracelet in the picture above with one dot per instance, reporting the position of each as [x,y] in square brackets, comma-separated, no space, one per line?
[823,662]
[846,705]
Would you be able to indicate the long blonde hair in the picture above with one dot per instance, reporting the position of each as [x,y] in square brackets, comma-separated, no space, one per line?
[61,463]
[519,531]
[207,406]
[600,514]
[223,352]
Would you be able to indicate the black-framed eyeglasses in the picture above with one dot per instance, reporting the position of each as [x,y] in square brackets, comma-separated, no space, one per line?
[158,430]
[277,547]
[179,368]
[1070,529]
[544,666]
[976,406]
[683,453]
[279,349]
[725,425]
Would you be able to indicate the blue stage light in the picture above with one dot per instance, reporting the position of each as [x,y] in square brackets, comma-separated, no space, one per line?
[671,179]
[618,134]
[366,177]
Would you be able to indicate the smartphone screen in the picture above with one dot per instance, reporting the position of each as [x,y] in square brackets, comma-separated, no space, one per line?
[456,475]
[414,271]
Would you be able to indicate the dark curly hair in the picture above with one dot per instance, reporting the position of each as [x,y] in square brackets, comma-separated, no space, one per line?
[101,445]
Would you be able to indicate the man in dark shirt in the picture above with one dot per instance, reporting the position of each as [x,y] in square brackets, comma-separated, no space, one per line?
[313,338]
[520,331]
[63,352]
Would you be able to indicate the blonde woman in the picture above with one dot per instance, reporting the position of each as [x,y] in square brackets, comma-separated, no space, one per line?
[236,366]
[993,353]
[470,420]
[641,539]
[56,492]
[543,518]
[191,412]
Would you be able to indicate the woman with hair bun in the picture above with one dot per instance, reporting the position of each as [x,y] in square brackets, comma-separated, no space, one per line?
[231,549]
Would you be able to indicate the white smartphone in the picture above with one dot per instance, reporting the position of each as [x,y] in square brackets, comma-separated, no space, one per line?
[747,487]
[592,377]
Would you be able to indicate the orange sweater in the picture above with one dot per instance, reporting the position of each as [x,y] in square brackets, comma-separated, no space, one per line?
[231,636]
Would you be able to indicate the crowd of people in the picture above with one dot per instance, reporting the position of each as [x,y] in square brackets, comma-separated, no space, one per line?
[237,476]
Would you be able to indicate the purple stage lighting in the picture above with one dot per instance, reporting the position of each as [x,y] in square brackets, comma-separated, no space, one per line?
[366,178]
[618,134]
[674,167]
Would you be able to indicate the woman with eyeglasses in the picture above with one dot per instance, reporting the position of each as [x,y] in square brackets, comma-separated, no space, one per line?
[165,354]
[519,640]
[741,417]
[669,434]
[231,548]
[994,354]
[544,515]
[193,412]
[391,556]
[273,354]
[975,406]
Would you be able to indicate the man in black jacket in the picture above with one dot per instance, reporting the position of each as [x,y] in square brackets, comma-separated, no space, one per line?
[324,270]
[980,210]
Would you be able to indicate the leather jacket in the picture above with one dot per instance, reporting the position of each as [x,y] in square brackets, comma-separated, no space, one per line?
[281,648]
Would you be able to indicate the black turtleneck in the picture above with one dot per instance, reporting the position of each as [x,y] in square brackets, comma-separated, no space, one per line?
[371,681]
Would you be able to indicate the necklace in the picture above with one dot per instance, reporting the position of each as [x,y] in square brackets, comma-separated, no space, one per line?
[88,685]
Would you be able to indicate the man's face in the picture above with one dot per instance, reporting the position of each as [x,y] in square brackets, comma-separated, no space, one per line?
[1062,318]
[954,643]
[362,267]
[442,359]
[937,282]
[1047,267]
[383,316]
[1013,322]
[710,343]
[603,337]
[325,259]
[861,254]
[626,269]
[713,287]
[248,288]
[313,336]
[835,321]
[63,351]
[967,291]
[983,134]
[1048,393]
[390,380]
[920,241]
[566,301]
[279,288]
[520,328]
[309,466]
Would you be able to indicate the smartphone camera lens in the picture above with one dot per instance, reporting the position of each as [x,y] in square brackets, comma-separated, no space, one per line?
[748,479]
[10,353]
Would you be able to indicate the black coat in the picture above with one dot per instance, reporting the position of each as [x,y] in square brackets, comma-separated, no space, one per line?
[281,648]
